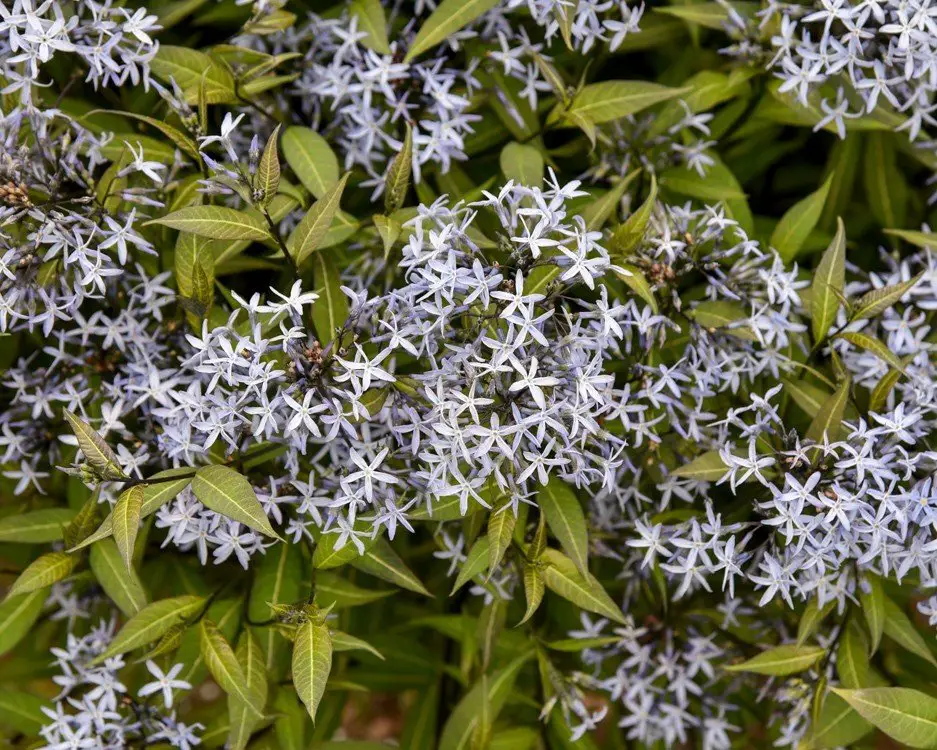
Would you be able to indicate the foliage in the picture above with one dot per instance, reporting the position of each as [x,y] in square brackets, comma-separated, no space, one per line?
[560,373]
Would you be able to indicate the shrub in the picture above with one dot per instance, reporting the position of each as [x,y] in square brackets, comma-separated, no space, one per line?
[413,373]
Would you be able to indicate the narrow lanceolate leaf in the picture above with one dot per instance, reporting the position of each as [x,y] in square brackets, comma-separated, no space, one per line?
[224,491]
[150,623]
[224,667]
[118,579]
[597,212]
[345,642]
[242,715]
[311,158]
[810,620]
[874,346]
[872,604]
[389,230]
[448,18]
[919,239]
[799,221]
[475,564]
[827,287]
[216,222]
[37,526]
[180,139]
[126,521]
[305,239]
[42,572]
[22,711]
[780,661]
[566,520]
[495,690]
[828,422]
[160,490]
[877,301]
[398,175]
[627,236]
[612,100]
[533,589]
[852,658]
[97,453]
[708,466]
[330,311]
[522,163]
[908,716]
[563,578]
[18,614]
[267,181]
[337,593]
[500,530]
[371,20]
[901,630]
[837,726]
[382,561]
[312,662]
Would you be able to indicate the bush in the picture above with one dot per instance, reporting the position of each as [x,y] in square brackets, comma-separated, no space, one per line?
[467,375]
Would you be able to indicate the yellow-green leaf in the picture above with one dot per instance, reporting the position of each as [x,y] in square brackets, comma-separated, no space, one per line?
[312,662]
[448,18]
[799,221]
[227,492]
[906,715]
[781,660]
[311,158]
[217,223]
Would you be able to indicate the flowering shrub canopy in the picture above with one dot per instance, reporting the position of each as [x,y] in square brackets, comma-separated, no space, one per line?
[559,373]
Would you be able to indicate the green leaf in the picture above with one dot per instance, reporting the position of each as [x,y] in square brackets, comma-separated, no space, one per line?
[43,572]
[267,179]
[873,345]
[161,488]
[475,564]
[398,175]
[901,630]
[151,622]
[224,667]
[18,614]
[336,593]
[192,251]
[371,20]
[180,139]
[192,69]
[382,561]
[798,222]
[389,230]
[311,158]
[709,15]
[627,236]
[419,730]
[636,281]
[118,579]
[522,163]
[534,587]
[723,315]
[306,238]
[448,18]
[37,526]
[216,223]
[574,645]
[837,726]
[290,724]
[612,100]
[242,716]
[96,452]
[852,659]
[598,211]
[566,520]
[926,240]
[885,188]
[877,301]
[22,712]
[828,422]
[501,524]
[781,660]
[872,604]
[126,521]
[327,555]
[345,642]
[312,662]
[811,618]
[494,691]
[330,311]
[224,491]
[908,716]
[562,577]
[708,466]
